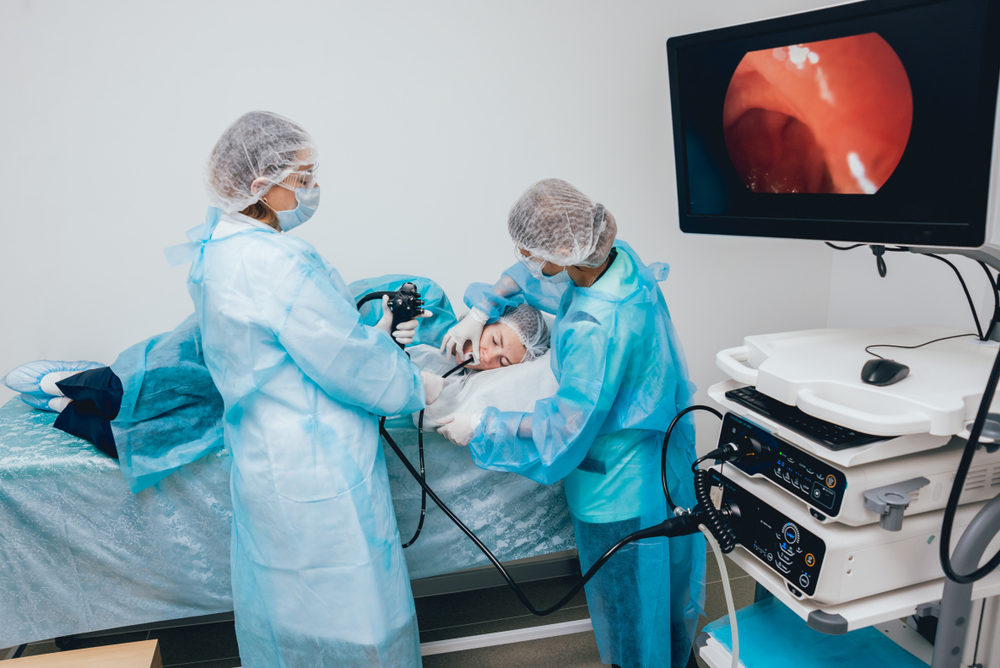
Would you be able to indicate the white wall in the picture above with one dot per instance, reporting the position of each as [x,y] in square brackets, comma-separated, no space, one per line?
[431,119]
[916,290]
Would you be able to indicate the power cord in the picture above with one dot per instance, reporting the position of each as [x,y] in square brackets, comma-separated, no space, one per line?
[996,300]
[919,345]
[965,288]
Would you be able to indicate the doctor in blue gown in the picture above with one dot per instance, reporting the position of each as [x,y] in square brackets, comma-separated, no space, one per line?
[622,379]
[317,566]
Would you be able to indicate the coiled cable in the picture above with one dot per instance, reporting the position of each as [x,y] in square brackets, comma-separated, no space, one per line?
[711,517]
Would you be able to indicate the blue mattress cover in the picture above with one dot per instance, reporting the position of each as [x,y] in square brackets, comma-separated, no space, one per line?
[80,552]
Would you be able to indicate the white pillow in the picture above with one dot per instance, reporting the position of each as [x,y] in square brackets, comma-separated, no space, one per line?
[511,388]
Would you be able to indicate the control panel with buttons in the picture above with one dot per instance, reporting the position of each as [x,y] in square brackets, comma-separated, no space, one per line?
[814,481]
[782,544]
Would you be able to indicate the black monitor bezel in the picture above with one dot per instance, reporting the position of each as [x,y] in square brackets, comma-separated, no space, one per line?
[969,232]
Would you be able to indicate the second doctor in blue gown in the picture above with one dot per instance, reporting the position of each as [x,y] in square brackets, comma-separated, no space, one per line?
[318,572]
[622,379]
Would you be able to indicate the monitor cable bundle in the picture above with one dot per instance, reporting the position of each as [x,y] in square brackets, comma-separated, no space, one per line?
[880,250]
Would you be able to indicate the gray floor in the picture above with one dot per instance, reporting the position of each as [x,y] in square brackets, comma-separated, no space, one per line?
[213,645]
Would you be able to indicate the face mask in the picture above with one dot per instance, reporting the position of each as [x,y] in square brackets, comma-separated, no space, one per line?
[534,266]
[308,201]
[561,277]
[531,263]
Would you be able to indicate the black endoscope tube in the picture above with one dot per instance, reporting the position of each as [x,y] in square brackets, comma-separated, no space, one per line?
[666,441]
[675,526]
[378,294]
[423,472]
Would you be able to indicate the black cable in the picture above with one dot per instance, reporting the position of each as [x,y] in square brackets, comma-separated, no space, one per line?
[879,252]
[919,345]
[378,294]
[965,288]
[959,482]
[714,520]
[996,300]
[423,476]
[666,440]
[423,471]
[724,452]
[979,633]
[843,248]
[674,526]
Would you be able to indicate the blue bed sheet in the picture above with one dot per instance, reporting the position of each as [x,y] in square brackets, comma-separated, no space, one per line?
[79,552]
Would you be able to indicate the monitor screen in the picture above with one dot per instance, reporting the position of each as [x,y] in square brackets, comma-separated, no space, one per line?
[868,122]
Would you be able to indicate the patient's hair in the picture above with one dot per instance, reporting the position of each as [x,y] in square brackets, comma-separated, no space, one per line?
[530,326]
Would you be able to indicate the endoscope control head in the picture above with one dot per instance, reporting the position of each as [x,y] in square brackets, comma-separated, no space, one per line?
[405,304]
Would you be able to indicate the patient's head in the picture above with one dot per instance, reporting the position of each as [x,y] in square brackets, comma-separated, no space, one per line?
[519,335]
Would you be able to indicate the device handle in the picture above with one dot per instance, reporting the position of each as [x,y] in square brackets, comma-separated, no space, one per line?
[879,424]
[732,361]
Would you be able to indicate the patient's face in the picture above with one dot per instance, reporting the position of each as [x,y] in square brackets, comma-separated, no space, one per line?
[498,346]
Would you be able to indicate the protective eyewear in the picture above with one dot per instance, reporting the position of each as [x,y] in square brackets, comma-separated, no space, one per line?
[296,180]
[532,263]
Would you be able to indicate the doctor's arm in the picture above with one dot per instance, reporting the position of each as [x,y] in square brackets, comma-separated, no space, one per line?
[487,302]
[548,443]
[350,361]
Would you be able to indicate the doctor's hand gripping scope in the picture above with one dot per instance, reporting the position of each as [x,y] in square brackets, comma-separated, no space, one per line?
[405,304]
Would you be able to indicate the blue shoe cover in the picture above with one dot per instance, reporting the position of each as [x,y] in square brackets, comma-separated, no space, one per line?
[26,378]
[39,401]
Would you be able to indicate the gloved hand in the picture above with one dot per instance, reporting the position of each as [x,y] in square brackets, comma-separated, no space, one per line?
[433,384]
[405,331]
[469,328]
[460,427]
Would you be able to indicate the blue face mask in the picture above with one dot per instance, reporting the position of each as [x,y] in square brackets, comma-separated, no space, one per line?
[534,266]
[561,277]
[308,201]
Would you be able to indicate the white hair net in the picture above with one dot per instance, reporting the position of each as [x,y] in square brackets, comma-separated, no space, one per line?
[529,325]
[258,145]
[556,222]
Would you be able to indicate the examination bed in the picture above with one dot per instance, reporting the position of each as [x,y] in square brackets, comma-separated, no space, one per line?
[80,553]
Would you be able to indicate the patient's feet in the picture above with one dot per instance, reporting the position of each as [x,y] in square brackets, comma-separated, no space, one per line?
[36,382]
[57,404]
[47,384]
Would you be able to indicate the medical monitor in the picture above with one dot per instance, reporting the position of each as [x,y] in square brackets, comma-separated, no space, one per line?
[867,122]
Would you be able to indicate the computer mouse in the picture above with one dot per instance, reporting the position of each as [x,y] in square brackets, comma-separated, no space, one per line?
[883,372]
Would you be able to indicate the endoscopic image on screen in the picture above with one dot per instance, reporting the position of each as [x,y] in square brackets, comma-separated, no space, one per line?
[831,116]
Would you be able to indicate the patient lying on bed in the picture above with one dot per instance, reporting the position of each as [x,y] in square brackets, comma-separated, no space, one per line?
[156,408]
[513,370]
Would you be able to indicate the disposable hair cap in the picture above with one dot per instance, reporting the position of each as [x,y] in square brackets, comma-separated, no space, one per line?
[556,222]
[529,325]
[258,145]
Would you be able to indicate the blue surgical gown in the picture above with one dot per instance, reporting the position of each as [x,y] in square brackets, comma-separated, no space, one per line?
[171,412]
[318,572]
[622,379]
